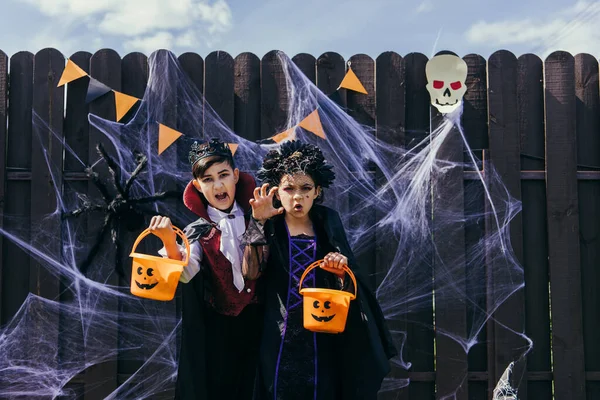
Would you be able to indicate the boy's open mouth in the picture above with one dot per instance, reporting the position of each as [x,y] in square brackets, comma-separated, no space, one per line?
[297,207]
[221,196]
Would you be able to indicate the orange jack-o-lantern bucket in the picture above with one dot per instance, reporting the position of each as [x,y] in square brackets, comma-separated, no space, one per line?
[154,277]
[325,310]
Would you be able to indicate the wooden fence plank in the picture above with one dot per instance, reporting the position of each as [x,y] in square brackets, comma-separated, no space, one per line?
[474,118]
[563,227]
[247,90]
[76,117]
[218,85]
[193,65]
[331,69]
[48,103]
[76,135]
[274,96]
[390,116]
[419,349]
[3,160]
[588,154]
[451,365]
[134,78]
[535,230]
[307,64]
[361,107]
[18,206]
[504,151]
[46,182]
[105,66]
[474,122]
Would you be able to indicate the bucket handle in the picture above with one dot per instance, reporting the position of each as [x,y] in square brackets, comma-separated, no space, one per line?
[316,264]
[178,231]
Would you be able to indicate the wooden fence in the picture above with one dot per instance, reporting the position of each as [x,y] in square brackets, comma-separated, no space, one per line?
[537,121]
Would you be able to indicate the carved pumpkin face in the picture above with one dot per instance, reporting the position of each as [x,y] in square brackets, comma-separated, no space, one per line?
[145,278]
[322,312]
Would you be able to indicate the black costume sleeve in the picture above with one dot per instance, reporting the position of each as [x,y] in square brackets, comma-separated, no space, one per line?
[255,250]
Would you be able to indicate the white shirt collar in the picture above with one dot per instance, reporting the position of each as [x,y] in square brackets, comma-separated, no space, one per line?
[216,215]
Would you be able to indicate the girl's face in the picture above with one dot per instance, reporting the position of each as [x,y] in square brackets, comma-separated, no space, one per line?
[297,193]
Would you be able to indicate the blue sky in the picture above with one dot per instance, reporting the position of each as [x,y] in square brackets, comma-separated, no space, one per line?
[294,26]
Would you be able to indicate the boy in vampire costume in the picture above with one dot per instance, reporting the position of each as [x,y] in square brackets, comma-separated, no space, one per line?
[286,234]
[221,314]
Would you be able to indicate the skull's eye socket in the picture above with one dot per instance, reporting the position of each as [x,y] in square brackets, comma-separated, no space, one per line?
[150,271]
[455,85]
[316,304]
[139,270]
[438,84]
[327,305]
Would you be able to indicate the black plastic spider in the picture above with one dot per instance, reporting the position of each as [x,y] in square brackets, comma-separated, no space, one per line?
[120,210]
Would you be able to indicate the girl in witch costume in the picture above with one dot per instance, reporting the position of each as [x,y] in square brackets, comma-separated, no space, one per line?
[221,314]
[288,232]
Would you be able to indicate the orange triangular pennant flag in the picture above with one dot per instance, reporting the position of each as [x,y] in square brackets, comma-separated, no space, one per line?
[233,147]
[280,137]
[313,123]
[123,103]
[351,82]
[71,72]
[166,137]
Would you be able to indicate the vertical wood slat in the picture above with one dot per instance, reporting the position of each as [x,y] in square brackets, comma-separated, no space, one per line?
[219,86]
[451,365]
[134,78]
[588,154]
[563,227]
[390,122]
[3,160]
[46,186]
[475,123]
[76,117]
[307,64]
[18,203]
[535,230]
[193,66]
[274,96]
[46,174]
[419,349]
[247,101]
[330,71]
[474,119]
[361,107]
[105,66]
[504,151]
[76,136]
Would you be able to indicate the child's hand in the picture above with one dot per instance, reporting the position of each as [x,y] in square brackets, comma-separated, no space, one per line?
[262,204]
[335,263]
[161,227]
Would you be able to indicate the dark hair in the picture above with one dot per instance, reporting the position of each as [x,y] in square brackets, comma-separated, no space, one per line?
[296,157]
[200,167]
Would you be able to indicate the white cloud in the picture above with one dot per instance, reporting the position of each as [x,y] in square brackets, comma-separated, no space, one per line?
[148,44]
[142,23]
[424,7]
[573,29]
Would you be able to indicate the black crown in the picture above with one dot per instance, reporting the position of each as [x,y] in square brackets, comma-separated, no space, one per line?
[213,148]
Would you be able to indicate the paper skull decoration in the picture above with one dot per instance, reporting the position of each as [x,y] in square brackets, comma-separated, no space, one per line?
[446,76]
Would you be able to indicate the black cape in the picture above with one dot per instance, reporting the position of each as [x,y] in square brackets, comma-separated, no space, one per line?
[366,342]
